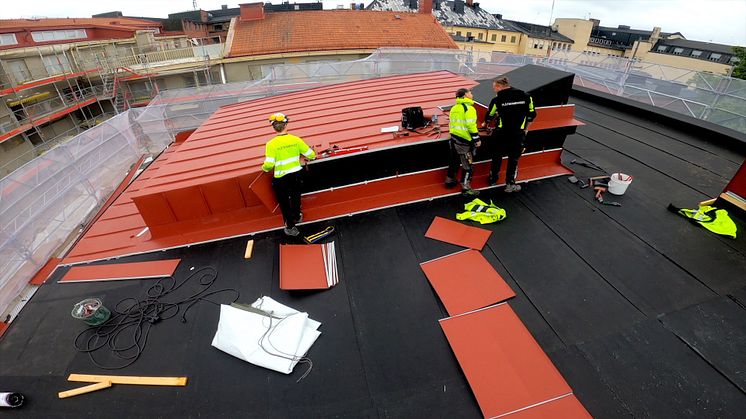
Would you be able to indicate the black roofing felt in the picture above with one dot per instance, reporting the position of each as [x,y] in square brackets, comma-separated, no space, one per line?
[641,311]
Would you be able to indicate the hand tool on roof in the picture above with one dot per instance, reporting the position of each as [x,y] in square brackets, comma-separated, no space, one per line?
[313,238]
[336,150]
[589,165]
[575,181]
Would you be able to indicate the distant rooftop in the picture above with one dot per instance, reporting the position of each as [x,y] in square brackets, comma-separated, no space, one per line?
[698,45]
[332,30]
[539,31]
[448,13]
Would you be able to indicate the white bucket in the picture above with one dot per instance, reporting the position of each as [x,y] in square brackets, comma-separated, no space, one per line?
[618,183]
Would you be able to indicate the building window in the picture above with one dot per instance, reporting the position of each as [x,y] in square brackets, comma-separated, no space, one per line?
[678,51]
[536,45]
[503,38]
[479,35]
[733,59]
[696,53]
[46,36]
[661,48]
[18,70]
[541,45]
[56,64]
[8,39]
[715,57]
[468,34]
[494,37]
[458,33]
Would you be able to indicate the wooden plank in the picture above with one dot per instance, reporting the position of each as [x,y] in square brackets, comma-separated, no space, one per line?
[249,249]
[733,201]
[129,379]
[85,389]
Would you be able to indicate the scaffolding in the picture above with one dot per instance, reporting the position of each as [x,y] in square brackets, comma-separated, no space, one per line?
[47,200]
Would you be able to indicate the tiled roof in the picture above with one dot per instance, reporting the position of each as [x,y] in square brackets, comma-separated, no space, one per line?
[472,17]
[327,30]
[10,25]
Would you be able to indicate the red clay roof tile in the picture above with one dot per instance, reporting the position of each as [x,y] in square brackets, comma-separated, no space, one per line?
[325,30]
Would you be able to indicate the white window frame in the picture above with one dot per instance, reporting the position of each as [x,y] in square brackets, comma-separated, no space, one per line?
[678,51]
[8,39]
[696,53]
[715,56]
[58,35]
[661,48]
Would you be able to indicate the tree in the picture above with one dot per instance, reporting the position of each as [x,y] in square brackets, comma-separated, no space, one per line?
[739,68]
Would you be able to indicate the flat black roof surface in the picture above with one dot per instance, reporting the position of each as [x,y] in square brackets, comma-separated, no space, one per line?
[642,312]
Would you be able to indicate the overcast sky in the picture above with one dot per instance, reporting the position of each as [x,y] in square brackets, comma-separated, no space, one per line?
[719,21]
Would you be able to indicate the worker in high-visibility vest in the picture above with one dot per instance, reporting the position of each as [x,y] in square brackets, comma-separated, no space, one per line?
[514,110]
[283,155]
[464,141]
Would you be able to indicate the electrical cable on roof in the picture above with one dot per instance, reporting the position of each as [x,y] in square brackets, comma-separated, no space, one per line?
[138,316]
[278,353]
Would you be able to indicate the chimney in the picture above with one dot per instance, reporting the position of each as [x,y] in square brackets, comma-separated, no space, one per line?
[224,7]
[498,16]
[426,6]
[470,3]
[655,35]
[413,4]
[436,5]
[251,11]
[596,22]
[458,6]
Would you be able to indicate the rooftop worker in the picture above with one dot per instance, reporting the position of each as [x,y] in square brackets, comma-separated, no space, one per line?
[514,110]
[464,141]
[283,154]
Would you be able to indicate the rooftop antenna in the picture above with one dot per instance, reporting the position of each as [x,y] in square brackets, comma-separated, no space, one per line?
[194,4]
[551,14]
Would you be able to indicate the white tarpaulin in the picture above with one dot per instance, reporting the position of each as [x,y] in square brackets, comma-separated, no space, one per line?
[274,336]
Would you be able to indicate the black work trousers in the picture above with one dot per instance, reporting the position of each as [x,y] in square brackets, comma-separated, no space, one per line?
[287,189]
[461,154]
[510,144]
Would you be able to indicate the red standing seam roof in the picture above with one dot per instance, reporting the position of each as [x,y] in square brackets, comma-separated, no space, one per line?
[198,190]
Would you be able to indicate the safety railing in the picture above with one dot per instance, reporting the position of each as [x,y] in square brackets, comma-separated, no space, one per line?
[47,199]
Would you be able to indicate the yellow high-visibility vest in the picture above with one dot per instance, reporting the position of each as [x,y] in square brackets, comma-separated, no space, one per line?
[482,212]
[716,220]
[283,154]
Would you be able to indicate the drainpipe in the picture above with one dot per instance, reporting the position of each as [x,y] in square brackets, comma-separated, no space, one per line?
[222,74]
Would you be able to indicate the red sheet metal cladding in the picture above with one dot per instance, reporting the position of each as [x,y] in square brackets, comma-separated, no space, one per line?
[302,267]
[456,233]
[121,271]
[567,407]
[193,192]
[465,281]
[505,367]
[45,271]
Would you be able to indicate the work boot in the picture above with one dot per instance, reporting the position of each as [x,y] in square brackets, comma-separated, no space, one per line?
[450,182]
[512,187]
[469,192]
[291,231]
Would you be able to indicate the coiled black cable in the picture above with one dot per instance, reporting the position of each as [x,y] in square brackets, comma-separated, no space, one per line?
[126,332]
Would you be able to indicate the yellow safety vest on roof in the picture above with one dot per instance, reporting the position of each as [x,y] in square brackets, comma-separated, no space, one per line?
[283,154]
[716,220]
[484,213]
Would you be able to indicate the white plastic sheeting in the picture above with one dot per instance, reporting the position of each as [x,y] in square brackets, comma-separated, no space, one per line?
[277,339]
